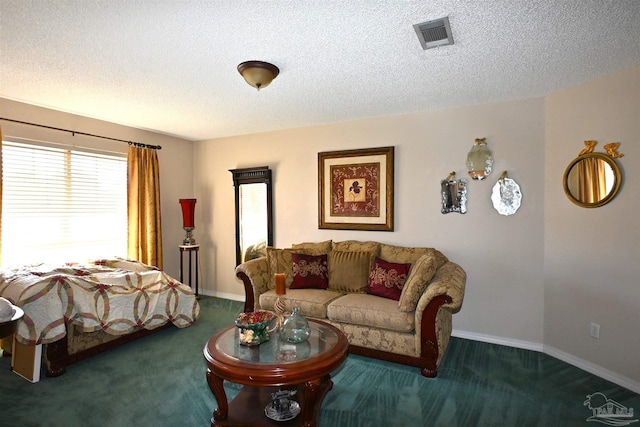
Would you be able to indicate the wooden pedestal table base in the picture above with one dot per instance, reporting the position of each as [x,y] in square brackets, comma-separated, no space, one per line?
[270,367]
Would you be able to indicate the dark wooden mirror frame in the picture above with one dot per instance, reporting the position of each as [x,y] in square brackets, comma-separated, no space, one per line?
[254,175]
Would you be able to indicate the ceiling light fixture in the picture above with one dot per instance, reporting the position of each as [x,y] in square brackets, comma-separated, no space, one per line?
[257,73]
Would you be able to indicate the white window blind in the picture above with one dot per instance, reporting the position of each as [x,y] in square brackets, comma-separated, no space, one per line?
[62,205]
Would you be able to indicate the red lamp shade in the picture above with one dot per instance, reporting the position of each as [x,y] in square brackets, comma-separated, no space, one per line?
[188,212]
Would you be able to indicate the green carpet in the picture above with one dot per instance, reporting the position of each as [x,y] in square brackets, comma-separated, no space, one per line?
[160,381]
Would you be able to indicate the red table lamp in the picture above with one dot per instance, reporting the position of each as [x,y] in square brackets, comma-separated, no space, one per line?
[188,223]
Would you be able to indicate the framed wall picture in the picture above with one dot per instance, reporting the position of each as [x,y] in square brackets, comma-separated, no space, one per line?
[355,189]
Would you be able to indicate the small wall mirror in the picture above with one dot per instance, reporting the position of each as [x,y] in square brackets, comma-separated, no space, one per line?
[454,194]
[592,180]
[254,224]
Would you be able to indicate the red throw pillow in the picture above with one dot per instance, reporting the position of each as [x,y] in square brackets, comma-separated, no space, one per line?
[310,271]
[387,279]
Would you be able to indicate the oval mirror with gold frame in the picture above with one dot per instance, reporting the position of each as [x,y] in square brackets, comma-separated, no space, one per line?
[592,180]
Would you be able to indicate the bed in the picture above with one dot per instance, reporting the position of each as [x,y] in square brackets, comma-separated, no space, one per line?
[79,310]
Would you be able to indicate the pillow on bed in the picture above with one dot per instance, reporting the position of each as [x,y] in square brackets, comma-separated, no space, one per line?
[125,264]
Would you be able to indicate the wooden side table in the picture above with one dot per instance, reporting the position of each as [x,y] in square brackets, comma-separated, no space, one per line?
[191,249]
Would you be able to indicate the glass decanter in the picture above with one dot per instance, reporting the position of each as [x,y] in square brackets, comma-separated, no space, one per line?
[295,328]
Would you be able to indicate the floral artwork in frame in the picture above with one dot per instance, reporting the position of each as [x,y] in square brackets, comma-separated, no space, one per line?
[356,189]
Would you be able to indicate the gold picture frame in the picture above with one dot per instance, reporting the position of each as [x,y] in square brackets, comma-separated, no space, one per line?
[355,189]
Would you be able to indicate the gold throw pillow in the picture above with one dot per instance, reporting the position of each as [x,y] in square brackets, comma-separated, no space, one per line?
[349,271]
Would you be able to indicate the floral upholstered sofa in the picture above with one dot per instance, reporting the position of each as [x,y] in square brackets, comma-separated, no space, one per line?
[393,303]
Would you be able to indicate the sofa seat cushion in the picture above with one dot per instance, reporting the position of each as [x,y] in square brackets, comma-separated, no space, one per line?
[370,310]
[380,339]
[312,302]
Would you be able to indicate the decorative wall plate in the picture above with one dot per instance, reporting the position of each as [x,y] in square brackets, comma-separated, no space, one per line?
[506,196]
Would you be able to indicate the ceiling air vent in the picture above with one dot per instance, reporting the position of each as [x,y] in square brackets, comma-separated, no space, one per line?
[434,33]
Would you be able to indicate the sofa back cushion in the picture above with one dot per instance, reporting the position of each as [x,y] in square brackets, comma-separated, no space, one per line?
[420,275]
[349,270]
[387,279]
[310,271]
[403,254]
[357,246]
[280,262]
[312,248]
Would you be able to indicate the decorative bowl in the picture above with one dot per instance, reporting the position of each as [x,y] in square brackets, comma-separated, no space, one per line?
[253,327]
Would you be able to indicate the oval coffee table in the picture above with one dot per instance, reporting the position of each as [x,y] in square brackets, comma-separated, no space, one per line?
[272,366]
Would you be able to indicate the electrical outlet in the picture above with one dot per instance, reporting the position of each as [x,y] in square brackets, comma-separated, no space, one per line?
[595,330]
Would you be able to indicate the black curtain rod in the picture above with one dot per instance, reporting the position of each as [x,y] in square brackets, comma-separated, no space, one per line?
[73,132]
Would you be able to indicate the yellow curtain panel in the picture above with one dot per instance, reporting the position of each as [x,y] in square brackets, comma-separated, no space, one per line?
[145,233]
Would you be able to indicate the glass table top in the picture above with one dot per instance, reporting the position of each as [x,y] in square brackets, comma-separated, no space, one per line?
[277,350]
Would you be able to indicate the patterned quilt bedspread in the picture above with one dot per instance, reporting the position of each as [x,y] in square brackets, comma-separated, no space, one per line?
[117,296]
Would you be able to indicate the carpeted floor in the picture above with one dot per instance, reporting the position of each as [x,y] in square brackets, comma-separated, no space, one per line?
[160,381]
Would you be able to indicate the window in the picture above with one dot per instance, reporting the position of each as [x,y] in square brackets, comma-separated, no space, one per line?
[61,204]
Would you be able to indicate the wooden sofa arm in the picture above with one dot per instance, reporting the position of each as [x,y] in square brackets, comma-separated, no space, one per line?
[444,292]
[255,278]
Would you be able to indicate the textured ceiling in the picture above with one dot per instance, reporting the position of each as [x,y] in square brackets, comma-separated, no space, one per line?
[170,66]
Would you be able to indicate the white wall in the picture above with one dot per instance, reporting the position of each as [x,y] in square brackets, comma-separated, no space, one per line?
[175,157]
[502,255]
[592,256]
[535,279]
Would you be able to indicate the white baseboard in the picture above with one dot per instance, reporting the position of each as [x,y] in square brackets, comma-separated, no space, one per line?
[509,342]
[592,368]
